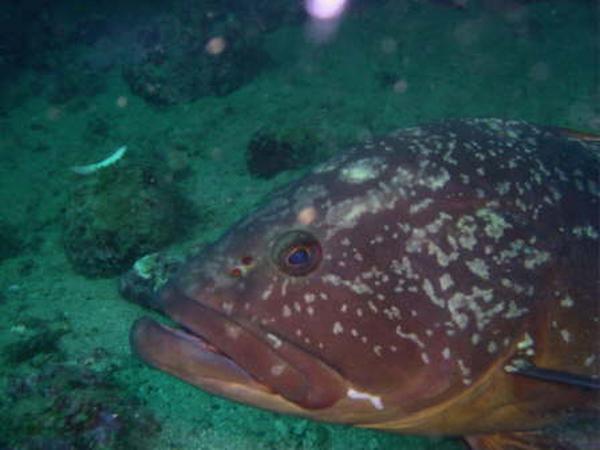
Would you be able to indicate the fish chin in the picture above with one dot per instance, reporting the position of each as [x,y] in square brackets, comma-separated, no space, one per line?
[236,361]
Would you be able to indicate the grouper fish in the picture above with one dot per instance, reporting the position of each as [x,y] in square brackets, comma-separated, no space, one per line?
[441,280]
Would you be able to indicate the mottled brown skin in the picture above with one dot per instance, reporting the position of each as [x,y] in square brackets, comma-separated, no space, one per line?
[441,254]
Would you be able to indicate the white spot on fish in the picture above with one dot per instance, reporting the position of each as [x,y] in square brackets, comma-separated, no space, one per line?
[375,400]
[409,336]
[309,298]
[278,369]
[446,282]
[267,293]
[495,223]
[362,170]
[337,328]
[536,258]
[284,287]
[446,353]
[437,181]
[420,206]
[466,372]
[307,215]
[428,289]
[274,340]
[227,307]
[478,267]
[233,331]
[526,343]
[585,232]
[567,302]
[513,311]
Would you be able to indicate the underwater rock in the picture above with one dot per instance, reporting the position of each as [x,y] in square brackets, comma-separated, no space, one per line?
[270,152]
[117,215]
[66,406]
[181,63]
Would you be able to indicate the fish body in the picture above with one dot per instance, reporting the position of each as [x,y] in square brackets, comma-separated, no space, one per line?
[400,284]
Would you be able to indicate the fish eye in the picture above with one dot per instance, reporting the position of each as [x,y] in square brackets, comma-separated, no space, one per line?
[296,253]
[298,256]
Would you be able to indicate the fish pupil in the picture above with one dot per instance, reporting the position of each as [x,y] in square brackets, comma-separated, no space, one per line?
[298,256]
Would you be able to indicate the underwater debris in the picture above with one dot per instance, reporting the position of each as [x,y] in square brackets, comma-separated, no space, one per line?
[175,67]
[271,152]
[106,162]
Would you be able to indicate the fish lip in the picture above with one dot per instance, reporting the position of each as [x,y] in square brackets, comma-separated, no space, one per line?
[197,338]
[274,363]
[185,354]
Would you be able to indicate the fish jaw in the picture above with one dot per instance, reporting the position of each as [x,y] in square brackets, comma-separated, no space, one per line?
[232,360]
[192,359]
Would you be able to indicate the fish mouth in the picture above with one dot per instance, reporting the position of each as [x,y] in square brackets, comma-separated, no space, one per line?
[237,361]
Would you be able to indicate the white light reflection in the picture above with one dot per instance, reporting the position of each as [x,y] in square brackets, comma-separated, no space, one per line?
[325,9]
[324,18]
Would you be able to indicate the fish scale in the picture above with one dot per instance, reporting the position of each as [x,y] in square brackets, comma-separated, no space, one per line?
[408,276]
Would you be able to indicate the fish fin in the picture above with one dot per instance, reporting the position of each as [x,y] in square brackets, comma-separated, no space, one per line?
[527,369]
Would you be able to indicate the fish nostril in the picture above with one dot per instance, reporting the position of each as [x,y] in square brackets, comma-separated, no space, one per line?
[236,272]
[242,269]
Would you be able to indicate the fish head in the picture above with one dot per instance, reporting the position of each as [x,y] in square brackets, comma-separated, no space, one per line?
[290,311]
